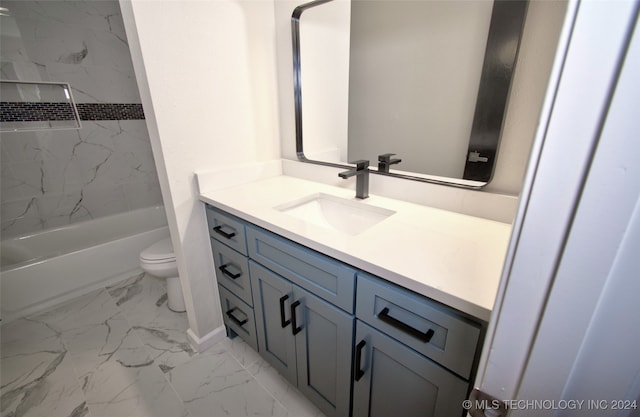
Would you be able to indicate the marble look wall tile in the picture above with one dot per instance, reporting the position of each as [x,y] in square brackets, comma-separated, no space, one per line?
[105,168]
[38,146]
[54,178]
[20,217]
[22,180]
[143,193]
[81,36]
[88,14]
[96,84]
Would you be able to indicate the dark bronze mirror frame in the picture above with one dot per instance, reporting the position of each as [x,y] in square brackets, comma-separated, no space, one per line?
[507,22]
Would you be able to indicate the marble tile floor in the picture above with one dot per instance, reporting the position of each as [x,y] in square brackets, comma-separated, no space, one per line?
[120,352]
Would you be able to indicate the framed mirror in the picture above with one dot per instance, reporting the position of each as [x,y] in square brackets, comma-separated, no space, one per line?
[418,88]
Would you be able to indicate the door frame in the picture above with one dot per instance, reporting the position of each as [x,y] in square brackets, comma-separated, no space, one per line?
[540,267]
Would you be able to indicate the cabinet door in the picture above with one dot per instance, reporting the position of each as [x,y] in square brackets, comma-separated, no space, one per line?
[272,298]
[324,340]
[391,379]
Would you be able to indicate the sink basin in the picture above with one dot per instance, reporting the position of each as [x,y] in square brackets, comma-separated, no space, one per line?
[346,216]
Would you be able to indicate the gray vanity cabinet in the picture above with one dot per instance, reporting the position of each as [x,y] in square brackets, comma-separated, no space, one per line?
[391,379]
[305,338]
[410,356]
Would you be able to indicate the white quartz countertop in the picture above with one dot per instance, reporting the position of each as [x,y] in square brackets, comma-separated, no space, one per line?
[452,258]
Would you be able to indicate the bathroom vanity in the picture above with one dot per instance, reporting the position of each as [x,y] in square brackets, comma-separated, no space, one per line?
[374,307]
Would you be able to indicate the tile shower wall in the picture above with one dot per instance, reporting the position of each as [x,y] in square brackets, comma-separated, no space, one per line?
[57,177]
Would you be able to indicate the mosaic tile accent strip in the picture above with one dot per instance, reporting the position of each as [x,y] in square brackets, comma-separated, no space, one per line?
[110,111]
[35,112]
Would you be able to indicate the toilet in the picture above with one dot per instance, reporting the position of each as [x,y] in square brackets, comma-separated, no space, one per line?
[159,260]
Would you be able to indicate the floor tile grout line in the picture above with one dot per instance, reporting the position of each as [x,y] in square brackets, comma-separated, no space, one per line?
[77,376]
[256,379]
[146,348]
[264,387]
[121,313]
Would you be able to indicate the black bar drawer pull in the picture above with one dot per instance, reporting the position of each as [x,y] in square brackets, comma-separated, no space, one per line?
[228,273]
[235,319]
[284,323]
[218,230]
[294,327]
[357,371]
[423,337]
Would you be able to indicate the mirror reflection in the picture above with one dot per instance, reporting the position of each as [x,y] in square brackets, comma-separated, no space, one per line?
[418,88]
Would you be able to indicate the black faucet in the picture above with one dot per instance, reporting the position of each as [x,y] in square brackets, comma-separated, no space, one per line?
[361,172]
[384,161]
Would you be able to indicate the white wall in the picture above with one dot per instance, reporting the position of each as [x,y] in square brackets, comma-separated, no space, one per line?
[207,78]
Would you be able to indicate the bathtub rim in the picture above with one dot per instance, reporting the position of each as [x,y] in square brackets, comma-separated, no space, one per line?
[73,226]
[31,296]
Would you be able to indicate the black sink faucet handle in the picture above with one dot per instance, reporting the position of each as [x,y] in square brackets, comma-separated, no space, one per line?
[385,161]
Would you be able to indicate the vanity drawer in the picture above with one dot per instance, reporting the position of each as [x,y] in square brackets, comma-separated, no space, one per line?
[232,271]
[238,316]
[426,326]
[227,230]
[317,273]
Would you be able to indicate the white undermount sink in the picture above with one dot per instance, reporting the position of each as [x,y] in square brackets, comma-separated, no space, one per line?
[347,216]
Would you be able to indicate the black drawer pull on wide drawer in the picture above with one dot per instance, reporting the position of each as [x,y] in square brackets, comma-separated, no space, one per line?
[228,273]
[357,371]
[235,319]
[218,230]
[423,337]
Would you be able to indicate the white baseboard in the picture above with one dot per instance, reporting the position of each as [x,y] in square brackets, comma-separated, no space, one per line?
[200,344]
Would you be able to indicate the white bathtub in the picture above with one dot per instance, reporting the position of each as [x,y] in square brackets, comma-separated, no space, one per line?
[46,268]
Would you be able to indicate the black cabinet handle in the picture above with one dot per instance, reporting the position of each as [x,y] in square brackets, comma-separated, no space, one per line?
[423,337]
[228,273]
[357,371]
[218,230]
[294,327]
[234,318]
[284,323]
